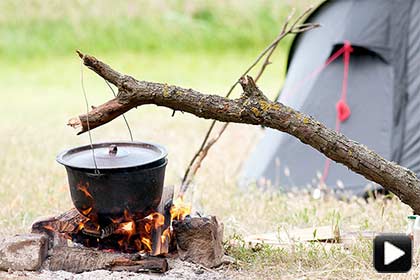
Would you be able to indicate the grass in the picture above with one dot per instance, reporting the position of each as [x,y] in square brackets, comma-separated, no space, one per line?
[204,46]
[37,28]
[314,260]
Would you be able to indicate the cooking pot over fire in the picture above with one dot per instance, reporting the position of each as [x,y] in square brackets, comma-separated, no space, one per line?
[111,182]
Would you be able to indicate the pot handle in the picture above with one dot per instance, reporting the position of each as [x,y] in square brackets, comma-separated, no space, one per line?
[114,151]
[95,175]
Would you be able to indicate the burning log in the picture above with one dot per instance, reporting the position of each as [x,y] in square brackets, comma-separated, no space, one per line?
[199,240]
[161,235]
[59,229]
[67,222]
[79,260]
[130,235]
[91,229]
[118,245]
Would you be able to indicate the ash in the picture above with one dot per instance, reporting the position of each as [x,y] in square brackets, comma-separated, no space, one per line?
[178,270]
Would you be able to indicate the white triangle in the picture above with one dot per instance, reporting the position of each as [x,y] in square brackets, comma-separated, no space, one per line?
[391,253]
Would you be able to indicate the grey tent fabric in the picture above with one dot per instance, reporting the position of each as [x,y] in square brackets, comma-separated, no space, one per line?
[410,153]
[383,94]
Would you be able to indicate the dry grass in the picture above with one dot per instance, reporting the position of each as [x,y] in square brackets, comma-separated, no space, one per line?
[316,260]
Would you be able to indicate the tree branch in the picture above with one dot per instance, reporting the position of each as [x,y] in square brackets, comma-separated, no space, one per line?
[102,69]
[252,108]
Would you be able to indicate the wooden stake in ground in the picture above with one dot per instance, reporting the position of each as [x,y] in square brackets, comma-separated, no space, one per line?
[251,108]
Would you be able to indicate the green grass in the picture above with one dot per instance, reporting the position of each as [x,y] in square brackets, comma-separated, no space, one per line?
[38,28]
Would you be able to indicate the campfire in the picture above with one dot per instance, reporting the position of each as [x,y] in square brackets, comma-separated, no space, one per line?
[149,235]
[132,244]
[124,218]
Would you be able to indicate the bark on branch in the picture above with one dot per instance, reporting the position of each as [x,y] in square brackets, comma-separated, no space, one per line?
[251,108]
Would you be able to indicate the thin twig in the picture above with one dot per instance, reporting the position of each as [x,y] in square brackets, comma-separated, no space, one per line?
[204,142]
[201,156]
[288,19]
[302,16]
[303,28]
[198,153]
[266,62]
[205,146]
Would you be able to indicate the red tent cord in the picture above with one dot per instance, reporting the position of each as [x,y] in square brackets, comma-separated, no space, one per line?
[318,70]
[343,110]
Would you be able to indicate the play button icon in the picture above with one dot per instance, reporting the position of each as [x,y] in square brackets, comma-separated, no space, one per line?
[392,253]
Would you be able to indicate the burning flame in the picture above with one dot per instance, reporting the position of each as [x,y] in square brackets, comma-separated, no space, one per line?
[87,211]
[84,189]
[147,242]
[128,227]
[48,227]
[180,209]
[166,235]
[129,233]
[148,228]
[157,219]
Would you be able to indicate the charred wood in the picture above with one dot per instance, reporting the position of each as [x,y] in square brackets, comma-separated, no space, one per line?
[79,260]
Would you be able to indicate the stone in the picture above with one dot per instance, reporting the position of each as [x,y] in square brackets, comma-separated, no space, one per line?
[23,252]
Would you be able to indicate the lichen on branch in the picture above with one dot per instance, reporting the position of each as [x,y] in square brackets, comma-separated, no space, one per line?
[251,108]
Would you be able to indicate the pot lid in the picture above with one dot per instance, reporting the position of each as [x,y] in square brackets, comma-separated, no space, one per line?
[112,155]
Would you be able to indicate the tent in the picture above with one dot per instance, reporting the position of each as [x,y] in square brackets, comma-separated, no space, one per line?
[372,96]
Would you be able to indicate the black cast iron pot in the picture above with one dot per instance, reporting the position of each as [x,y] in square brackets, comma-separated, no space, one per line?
[127,180]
